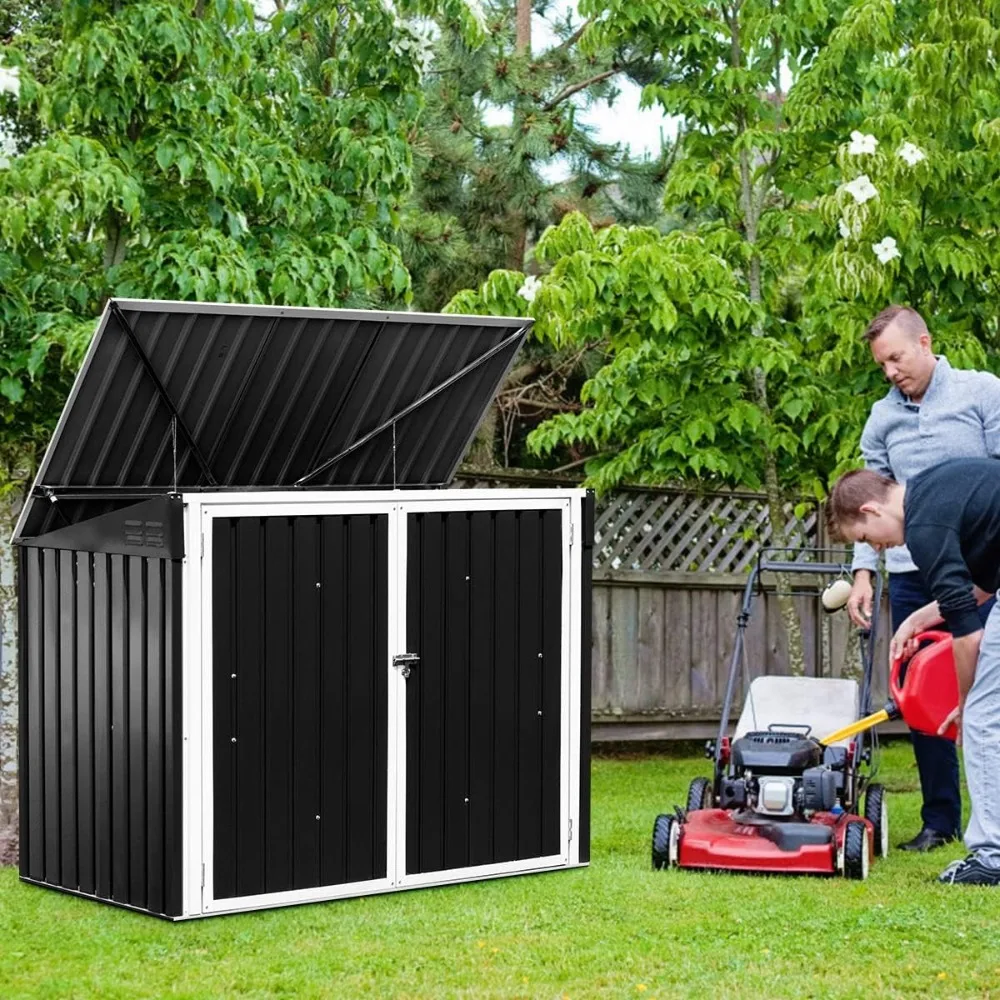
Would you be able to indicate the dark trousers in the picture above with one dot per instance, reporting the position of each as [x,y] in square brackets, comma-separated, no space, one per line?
[937,758]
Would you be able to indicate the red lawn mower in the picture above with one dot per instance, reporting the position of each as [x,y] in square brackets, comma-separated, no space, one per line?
[790,793]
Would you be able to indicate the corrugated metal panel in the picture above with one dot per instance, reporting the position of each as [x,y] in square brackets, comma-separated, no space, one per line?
[484,612]
[100,690]
[269,395]
[300,718]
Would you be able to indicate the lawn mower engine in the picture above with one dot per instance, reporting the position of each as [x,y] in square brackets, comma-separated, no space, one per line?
[783,774]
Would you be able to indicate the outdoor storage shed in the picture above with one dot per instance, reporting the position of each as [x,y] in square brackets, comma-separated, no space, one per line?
[265,657]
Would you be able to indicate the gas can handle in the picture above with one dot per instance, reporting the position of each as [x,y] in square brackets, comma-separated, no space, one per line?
[895,688]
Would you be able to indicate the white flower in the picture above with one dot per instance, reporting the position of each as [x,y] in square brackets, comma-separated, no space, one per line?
[416,42]
[10,80]
[912,154]
[861,189]
[477,12]
[861,143]
[847,230]
[886,250]
[423,50]
[529,289]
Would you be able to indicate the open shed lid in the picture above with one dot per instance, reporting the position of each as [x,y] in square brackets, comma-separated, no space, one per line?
[176,396]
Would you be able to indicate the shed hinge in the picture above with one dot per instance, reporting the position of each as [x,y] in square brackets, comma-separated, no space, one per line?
[572,533]
[571,830]
[203,545]
[203,875]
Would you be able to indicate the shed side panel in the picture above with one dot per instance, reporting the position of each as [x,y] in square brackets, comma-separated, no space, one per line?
[100,651]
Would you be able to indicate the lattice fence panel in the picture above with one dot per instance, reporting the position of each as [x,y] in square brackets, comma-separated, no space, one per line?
[689,532]
[674,531]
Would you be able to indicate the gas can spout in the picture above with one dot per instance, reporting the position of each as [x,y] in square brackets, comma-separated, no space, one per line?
[889,712]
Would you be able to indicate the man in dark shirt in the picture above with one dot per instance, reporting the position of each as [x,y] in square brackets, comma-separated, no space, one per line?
[949,517]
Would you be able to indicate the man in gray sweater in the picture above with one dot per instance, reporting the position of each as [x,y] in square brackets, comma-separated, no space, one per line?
[932,413]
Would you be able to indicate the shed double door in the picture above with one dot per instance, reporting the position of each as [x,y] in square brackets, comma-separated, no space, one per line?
[340,764]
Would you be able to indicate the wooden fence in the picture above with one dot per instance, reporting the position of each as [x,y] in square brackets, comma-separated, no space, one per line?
[669,571]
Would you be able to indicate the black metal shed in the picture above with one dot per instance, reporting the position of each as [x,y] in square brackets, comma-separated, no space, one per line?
[266,657]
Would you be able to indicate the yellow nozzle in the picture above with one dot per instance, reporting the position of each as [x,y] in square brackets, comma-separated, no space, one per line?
[856,727]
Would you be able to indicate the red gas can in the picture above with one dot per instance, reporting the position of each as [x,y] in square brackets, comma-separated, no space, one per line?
[929,689]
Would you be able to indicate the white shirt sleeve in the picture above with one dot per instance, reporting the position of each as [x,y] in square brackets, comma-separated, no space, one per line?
[876,456]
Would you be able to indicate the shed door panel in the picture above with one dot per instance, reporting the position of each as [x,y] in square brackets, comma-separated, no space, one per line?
[299,695]
[483,723]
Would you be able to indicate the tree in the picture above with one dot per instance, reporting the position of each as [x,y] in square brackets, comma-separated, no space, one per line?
[172,149]
[735,347]
[910,210]
[483,192]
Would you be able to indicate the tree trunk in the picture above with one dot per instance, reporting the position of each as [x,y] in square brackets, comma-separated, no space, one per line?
[775,502]
[482,451]
[519,227]
[10,504]
[518,242]
[779,537]
[752,201]
[522,29]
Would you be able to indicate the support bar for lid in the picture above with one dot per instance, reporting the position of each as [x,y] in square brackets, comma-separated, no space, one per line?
[344,398]
[430,394]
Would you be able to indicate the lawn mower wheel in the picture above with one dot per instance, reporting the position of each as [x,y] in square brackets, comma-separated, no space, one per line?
[699,795]
[856,850]
[877,813]
[665,836]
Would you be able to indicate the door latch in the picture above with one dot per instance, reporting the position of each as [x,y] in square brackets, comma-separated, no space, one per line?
[404,662]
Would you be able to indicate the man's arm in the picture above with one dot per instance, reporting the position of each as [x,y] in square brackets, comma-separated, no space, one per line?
[987,398]
[936,549]
[966,653]
[865,559]
[903,642]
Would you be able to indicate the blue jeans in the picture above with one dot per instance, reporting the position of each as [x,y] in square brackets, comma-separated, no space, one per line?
[937,758]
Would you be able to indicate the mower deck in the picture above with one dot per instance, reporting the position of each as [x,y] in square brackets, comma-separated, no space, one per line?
[734,840]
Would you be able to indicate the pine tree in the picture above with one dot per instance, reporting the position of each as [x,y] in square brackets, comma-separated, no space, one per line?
[483,192]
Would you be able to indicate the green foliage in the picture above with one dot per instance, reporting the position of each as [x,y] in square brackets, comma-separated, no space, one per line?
[191,150]
[675,401]
[736,346]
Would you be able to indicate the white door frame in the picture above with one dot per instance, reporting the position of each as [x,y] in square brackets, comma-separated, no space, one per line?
[197,768]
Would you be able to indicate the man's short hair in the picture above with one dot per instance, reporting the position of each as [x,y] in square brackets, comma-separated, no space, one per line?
[849,493]
[908,318]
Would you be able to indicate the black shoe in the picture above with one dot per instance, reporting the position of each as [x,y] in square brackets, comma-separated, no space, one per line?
[970,871]
[927,840]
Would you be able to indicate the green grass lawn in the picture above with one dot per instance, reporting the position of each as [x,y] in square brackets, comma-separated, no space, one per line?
[615,929]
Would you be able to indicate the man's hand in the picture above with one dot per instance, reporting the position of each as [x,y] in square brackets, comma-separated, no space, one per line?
[904,643]
[955,715]
[859,604]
